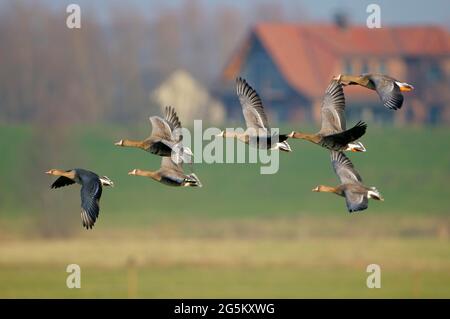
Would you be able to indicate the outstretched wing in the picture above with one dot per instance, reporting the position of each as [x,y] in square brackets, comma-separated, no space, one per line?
[160,128]
[62,181]
[252,106]
[340,140]
[344,168]
[91,191]
[348,175]
[388,91]
[333,109]
[356,201]
[174,123]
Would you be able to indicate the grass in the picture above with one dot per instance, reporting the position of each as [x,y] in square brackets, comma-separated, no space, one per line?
[270,257]
[119,265]
[408,165]
[204,282]
[242,235]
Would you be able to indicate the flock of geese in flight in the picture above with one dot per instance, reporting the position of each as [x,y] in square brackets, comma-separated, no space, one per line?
[166,141]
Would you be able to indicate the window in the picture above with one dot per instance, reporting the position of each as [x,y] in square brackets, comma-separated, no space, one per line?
[382,68]
[348,67]
[434,72]
[364,67]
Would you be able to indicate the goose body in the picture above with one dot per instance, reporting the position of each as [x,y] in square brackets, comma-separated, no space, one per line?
[170,174]
[333,133]
[91,190]
[258,132]
[165,138]
[351,187]
[388,89]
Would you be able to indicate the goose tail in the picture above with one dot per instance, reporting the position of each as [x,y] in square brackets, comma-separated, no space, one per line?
[374,194]
[106,181]
[355,147]
[283,146]
[193,180]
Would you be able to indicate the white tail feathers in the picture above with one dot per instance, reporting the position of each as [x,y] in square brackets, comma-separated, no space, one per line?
[374,194]
[404,86]
[355,147]
[193,180]
[106,181]
[283,146]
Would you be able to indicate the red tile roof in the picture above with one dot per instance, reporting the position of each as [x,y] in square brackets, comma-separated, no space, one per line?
[306,55]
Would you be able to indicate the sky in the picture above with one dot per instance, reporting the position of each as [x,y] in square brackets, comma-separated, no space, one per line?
[392,12]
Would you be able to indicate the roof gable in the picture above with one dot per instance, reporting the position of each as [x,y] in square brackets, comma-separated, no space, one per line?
[306,55]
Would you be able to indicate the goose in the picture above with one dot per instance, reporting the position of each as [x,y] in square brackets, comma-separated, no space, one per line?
[389,89]
[165,137]
[170,174]
[91,190]
[356,194]
[333,133]
[258,130]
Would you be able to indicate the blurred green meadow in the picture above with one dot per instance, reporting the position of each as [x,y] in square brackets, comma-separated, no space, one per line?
[242,235]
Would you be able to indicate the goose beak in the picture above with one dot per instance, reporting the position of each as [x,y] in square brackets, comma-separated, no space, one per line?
[133,172]
[119,143]
[315,189]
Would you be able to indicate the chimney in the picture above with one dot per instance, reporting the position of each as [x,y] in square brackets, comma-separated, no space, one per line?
[341,19]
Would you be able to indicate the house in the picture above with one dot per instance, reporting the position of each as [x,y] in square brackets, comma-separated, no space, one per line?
[290,65]
[191,100]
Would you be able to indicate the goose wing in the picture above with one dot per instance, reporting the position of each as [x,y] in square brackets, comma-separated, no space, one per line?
[91,191]
[347,174]
[388,91]
[333,109]
[252,106]
[171,118]
[160,128]
[62,181]
[168,164]
[338,141]
[344,168]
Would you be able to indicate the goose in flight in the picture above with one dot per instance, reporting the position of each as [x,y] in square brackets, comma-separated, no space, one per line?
[389,89]
[91,190]
[170,173]
[165,138]
[356,194]
[258,130]
[333,133]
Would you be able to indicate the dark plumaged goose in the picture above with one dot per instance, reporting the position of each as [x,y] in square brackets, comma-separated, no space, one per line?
[165,138]
[356,194]
[170,173]
[389,89]
[258,130]
[91,190]
[333,134]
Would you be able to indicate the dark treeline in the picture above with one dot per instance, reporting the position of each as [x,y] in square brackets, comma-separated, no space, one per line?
[106,70]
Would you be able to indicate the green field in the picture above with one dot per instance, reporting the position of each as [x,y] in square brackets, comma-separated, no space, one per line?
[242,235]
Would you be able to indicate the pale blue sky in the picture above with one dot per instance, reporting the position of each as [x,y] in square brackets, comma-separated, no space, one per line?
[392,12]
